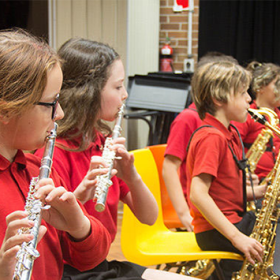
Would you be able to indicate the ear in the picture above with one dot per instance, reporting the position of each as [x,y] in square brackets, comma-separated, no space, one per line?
[217,103]
[260,91]
[4,118]
[4,113]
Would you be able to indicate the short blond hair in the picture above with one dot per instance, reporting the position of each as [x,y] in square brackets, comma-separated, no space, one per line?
[24,63]
[215,81]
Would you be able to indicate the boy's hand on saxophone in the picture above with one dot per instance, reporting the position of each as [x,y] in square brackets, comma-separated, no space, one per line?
[12,242]
[259,188]
[86,189]
[65,213]
[255,180]
[252,249]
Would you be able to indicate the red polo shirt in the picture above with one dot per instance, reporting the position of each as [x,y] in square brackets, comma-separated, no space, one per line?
[249,132]
[180,132]
[73,166]
[55,246]
[209,153]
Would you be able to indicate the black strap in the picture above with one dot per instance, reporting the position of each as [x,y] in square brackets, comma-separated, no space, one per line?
[193,109]
[242,165]
[276,256]
[272,149]
[269,148]
[248,146]
[195,132]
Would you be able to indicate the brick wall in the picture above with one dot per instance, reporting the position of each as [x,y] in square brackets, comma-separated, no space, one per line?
[175,26]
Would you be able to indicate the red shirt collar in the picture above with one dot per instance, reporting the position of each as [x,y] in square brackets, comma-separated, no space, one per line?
[74,144]
[19,160]
[192,106]
[211,120]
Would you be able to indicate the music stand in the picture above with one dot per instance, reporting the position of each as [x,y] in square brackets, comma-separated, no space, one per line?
[160,97]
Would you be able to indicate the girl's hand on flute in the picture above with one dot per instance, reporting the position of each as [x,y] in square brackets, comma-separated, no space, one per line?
[65,213]
[12,242]
[86,189]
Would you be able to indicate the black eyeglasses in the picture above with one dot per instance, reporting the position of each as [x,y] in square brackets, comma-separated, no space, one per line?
[51,104]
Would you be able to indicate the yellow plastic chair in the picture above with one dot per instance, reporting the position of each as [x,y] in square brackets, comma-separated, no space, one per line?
[156,244]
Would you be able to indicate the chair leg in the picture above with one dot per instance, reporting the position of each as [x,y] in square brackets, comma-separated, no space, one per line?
[219,271]
[168,266]
[158,266]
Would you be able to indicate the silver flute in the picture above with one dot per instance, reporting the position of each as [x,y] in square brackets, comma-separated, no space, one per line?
[28,253]
[104,181]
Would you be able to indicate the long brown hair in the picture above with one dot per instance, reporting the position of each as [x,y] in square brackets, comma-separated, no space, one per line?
[24,63]
[86,69]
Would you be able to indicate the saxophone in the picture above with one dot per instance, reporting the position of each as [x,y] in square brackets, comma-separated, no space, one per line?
[28,253]
[104,181]
[259,146]
[266,222]
[265,232]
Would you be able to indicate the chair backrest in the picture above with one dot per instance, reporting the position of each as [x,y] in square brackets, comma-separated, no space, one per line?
[146,166]
[170,217]
[132,230]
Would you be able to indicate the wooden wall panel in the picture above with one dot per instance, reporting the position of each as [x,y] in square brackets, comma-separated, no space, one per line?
[63,21]
[121,30]
[142,54]
[109,22]
[79,18]
[94,19]
[100,20]
[143,36]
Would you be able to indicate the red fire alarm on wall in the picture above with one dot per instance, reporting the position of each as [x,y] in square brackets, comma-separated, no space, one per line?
[180,5]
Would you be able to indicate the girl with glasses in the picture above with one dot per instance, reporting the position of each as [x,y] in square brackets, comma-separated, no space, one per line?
[52,105]
[30,81]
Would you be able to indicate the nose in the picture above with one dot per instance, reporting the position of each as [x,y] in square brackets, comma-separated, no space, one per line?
[59,113]
[125,95]
[249,97]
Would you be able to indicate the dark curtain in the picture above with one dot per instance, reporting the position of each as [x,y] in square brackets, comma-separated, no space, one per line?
[14,14]
[245,29]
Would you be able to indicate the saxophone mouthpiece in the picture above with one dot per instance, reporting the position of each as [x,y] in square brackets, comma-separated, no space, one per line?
[257,116]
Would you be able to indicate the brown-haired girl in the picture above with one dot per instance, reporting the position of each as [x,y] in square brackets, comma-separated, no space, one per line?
[93,92]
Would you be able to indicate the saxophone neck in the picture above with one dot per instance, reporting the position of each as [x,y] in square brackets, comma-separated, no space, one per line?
[272,120]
